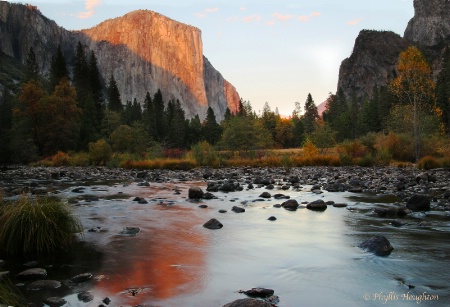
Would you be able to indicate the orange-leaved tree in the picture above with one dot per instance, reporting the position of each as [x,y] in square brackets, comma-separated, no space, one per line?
[414,85]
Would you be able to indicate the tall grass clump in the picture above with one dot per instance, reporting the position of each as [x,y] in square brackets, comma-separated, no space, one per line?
[37,226]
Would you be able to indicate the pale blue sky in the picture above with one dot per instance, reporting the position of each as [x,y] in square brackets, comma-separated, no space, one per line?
[274,51]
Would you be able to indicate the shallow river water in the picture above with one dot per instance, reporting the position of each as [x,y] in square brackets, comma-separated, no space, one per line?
[309,258]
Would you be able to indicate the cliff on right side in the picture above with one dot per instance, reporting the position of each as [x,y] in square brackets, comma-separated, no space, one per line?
[373,62]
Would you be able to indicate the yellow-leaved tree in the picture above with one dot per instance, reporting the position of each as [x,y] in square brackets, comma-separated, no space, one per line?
[414,86]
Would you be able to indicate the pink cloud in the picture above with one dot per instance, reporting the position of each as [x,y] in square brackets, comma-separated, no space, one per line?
[304,18]
[206,12]
[89,6]
[251,18]
[212,10]
[355,21]
[270,23]
[281,17]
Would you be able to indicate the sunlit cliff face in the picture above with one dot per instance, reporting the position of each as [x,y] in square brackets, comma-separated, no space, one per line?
[164,260]
[173,46]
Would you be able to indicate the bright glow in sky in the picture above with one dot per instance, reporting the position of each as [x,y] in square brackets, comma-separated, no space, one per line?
[274,51]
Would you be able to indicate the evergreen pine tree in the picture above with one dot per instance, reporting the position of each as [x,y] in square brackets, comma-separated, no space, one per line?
[114,100]
[211,130]
[58,69]
[311,115]
[32,68]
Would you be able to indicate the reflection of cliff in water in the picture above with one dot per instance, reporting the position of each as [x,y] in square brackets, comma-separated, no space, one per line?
[164,260]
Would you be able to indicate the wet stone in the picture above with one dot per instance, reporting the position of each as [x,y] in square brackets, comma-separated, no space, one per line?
[378,245]
[213,224]
[222,211]
[44,285]
[81,277]
[290,205]
[258,292]
[272,218]
[55,301]
[317,205]
[248,302]
[195,193]
[203,206]
[34,273]
[130,231]
[85,296]
[237,209]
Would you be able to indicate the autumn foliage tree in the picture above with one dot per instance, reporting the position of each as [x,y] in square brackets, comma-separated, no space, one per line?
[414,86]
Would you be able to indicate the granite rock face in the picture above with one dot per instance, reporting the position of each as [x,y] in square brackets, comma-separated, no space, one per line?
[373,62]
[143,50]
[431,22]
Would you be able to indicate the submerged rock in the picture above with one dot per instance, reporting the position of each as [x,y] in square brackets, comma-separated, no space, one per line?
[213,224]
[258,292]
[85,296]
[81,277]
[34,273]
[130,231]
[55,301]
[418,203]
[248,302]
[378,245]
[44,285]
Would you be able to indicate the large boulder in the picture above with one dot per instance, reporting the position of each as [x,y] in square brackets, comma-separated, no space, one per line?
[195,193]
[378,245]
[419,203]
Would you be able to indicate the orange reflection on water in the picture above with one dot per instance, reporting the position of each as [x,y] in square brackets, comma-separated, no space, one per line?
[165,260]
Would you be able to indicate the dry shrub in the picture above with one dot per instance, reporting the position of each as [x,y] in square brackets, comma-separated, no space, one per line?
[172,164]
[400,146]
[428,162]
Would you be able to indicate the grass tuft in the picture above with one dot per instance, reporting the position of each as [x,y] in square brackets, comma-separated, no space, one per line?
[37,226]
[10,294]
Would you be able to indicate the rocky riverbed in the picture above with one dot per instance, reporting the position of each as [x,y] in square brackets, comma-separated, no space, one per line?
[196,238]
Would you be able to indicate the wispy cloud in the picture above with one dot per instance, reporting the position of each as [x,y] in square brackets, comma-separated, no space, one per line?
[355,21]
[89,6]
[281,17]
[251,18]
[306,18]
[206,12]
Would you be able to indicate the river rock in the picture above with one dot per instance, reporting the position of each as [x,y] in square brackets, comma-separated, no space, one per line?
[290,205]
[265,195]
[195,193]
[272,218]
[237,209]
[317,205]
[130,231]
[418,203]
[44,285]
[4,274]
[258,292]
[248,302]
[81,277]
[55,301]
[213,224]
[227,187]
[378,245]
[34,273]
[208,196]
[85,296]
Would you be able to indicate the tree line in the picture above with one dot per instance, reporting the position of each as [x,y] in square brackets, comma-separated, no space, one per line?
[71,111]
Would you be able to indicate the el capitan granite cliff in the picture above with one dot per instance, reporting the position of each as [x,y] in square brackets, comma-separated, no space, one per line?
[143,50]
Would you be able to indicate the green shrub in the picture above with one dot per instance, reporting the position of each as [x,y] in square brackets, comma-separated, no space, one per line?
[204,154]
[99,152]
[37,226]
